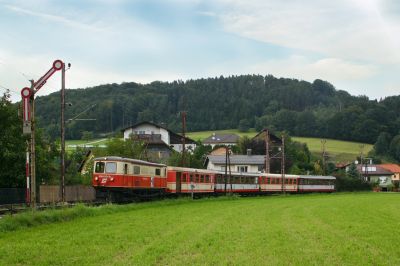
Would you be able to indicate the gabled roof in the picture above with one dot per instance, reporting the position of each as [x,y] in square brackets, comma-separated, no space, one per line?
[261,136]
[373,169]
[238,159]
[221,138]
[394,168]
[174,137]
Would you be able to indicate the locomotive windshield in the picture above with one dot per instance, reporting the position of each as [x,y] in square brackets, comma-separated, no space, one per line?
[111,167]
[99,167]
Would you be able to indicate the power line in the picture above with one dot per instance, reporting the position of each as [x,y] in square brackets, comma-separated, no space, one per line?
[8,90]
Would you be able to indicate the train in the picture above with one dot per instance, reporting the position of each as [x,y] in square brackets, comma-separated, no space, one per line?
[122,179]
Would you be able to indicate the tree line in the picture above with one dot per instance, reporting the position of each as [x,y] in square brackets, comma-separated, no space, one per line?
[299,107]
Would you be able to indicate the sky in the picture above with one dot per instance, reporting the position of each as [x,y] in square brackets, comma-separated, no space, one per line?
[353,44]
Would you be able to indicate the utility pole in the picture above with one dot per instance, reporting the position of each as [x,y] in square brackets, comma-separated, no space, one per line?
[323,142]
[226,168]
[229,167]
[267,159]
[183,113]
[62,181]
[283,165]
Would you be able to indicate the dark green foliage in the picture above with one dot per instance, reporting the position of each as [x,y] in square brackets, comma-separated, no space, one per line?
[192,160]
[298,107]
[382,144]
[351,180]
[12,145]
[244,125]
[394,148]
[13,150]
[124,148]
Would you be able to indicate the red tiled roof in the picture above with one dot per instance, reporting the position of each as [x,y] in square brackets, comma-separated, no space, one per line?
[394,168]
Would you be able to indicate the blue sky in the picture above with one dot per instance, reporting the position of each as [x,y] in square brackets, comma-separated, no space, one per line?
[354,44]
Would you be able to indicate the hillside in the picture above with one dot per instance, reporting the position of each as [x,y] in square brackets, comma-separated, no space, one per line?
[302,108]
[337,150]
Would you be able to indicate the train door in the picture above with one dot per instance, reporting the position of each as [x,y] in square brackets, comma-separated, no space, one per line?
[125,177]
[178,182]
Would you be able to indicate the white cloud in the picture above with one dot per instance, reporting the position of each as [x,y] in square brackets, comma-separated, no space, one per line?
[355,30]
[56,18]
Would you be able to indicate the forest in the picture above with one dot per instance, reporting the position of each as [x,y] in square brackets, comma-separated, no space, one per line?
[299,107]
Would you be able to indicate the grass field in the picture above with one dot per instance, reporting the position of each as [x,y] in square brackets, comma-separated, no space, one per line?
[338,150]
[201,135]
[335,229]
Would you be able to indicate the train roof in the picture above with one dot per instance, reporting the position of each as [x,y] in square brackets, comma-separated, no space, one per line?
[129,160]
[187,169]
[326,177]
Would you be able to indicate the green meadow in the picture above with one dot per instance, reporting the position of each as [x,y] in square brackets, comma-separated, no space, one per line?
[338,150]
[315,229]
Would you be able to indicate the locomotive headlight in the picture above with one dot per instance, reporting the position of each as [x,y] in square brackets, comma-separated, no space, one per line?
[112,179]
[96,178]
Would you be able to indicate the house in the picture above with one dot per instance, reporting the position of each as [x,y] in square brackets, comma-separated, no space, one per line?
[219,151]
[238,163]
[375,173]
[273,139]
[157,137]
[394,169]
[221,139]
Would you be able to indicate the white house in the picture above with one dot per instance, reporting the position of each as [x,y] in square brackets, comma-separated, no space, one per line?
[158,134]
[238,163]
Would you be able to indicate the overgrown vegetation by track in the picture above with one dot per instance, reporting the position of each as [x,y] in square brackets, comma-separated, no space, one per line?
[318,229]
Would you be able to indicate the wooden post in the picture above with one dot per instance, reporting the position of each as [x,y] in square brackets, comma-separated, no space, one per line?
[62,181]
[283,165]
[267,159]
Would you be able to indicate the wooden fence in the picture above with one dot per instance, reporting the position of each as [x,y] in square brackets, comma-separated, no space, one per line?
[76,193]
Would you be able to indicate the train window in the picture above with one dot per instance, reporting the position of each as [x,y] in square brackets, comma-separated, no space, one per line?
[99,167]
[191,178]
[158,171]
[111,167]
[242,169]
[125,169]
[136,170]
[207,179]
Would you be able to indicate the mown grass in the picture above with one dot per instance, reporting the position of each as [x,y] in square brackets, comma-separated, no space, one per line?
[338,150]
[201,135]
[336,229]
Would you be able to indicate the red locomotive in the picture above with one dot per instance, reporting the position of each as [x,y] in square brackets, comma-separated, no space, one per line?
[119,179]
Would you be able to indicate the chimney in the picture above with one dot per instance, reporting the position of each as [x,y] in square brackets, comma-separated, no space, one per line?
[248,152]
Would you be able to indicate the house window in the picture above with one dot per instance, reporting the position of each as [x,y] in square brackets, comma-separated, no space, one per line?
[242,169]
[223,168]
